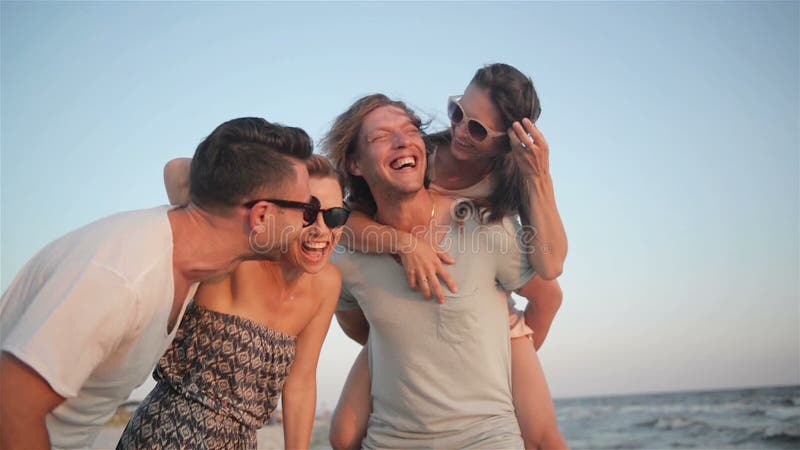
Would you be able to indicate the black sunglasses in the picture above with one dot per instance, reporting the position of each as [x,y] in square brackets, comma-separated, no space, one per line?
[476,129]
[310,209]
[335,217]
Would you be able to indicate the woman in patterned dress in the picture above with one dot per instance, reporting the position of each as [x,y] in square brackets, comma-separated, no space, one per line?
[248,339]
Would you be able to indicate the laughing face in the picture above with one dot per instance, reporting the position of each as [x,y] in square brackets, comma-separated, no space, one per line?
[390,152]
[312,249]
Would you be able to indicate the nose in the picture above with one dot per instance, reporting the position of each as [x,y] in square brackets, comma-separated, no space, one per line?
[460,130]
[400,139]
[319,226]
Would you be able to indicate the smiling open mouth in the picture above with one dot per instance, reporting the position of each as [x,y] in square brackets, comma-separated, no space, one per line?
[403,163]
[315,246]
[315,251]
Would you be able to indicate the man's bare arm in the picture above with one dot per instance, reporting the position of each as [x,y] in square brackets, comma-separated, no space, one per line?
[25,400]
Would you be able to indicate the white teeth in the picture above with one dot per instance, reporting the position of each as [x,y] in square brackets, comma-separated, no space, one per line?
[316,245]
[399,163]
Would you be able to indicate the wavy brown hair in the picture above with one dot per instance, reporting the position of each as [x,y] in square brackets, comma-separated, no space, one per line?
[341,144]
[515,98]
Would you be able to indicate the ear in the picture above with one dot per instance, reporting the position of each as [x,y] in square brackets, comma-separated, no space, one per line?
[259,214]
[353,167]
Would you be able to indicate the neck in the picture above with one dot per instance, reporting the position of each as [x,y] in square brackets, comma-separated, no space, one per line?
[287,278]
[205,246]
[288,273]
[407,212]
[452,173]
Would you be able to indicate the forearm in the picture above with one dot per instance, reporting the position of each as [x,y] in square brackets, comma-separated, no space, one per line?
[548,250]
[368,236]
[299,405]
[26,401]
[19,429]
[539,315]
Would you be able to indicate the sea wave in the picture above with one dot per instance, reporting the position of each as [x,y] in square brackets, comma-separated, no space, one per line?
[783,433]
[783,413]
[675,423]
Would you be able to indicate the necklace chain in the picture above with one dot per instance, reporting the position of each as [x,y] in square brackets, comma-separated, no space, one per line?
[433,207]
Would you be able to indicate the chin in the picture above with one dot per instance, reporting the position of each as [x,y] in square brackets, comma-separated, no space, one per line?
[313,269]
[460,154]
[313,261]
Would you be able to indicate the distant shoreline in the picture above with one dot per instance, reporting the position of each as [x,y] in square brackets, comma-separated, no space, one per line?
[686,391]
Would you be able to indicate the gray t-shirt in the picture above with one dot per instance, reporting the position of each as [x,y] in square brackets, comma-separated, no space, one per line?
[441,374]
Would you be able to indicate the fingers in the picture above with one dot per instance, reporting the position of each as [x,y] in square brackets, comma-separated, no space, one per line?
[430,286]
[412,278]
[513,138]
[448,280]
[436,287]
[533,130]
[444,256]
[522,135]
[425,287]
[427,282]
[425,271]
[433,281]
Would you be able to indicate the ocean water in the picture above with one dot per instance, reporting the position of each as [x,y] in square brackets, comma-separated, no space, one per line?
[761,418]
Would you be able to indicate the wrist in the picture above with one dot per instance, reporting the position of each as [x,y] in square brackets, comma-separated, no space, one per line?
[540,189]
[405,242]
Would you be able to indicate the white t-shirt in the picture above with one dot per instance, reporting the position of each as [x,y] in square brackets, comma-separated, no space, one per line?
[89,314]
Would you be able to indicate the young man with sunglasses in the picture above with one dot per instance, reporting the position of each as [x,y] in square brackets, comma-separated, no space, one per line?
[87,318]
[440,373]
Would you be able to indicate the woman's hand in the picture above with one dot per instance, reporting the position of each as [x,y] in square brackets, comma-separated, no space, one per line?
[526,138]
[424,266]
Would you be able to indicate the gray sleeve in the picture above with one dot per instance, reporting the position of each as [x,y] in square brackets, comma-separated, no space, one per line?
[341,259]
[513,270]
[346,301]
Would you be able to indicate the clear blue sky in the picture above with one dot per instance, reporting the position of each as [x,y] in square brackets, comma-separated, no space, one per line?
[674,132]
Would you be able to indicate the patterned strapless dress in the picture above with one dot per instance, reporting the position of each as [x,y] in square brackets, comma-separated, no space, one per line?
[218,383]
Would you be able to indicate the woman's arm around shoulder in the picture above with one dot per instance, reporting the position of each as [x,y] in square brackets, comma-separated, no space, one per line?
[300,390]
[176,180]
[423,262]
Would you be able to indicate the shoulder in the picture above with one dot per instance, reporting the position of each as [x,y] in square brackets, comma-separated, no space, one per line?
[329,275]
[326,287]
[328,282]
[131,243]
[142,221]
